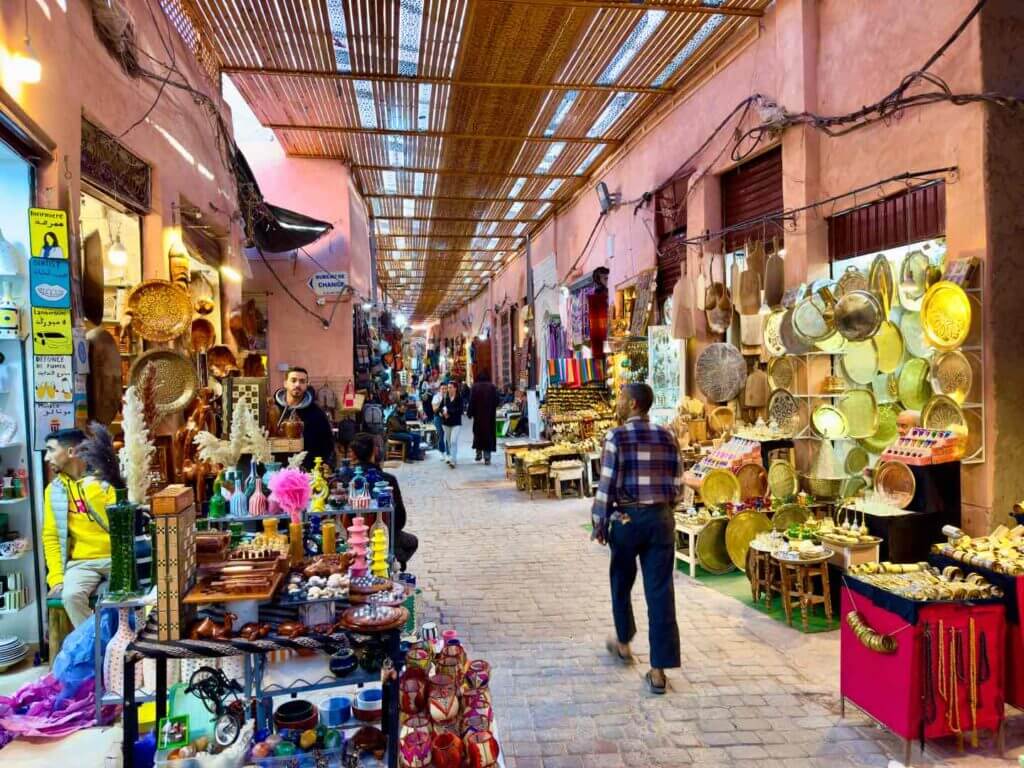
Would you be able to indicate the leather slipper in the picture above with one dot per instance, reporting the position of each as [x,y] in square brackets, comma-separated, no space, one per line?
[613,649]
[658,690]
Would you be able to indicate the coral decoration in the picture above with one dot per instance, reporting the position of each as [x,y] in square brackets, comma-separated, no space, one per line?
[100,457]
[295,460]
[291,489]
[137,453]
[245,436]
[147,390]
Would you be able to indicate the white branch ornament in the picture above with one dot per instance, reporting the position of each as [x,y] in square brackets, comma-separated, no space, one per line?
[137,454]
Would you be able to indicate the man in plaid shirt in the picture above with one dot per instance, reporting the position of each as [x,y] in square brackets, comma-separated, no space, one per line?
[641,477]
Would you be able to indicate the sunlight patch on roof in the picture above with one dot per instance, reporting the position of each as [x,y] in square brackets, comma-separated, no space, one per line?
[631,47]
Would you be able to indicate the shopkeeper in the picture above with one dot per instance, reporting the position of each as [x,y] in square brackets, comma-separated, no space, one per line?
[366,451]
[76,534]
[641,477]
[296,397]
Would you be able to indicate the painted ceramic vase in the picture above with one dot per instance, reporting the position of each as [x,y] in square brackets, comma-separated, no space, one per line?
[477,705]
[113,659]
[482,749]
[447,751]
[443,703]
[453,650]
[417,724]
[475,724]
[238,506]
[449,667]
[258,504]
[478,675]
[418,658]
[412,695]
[415,750]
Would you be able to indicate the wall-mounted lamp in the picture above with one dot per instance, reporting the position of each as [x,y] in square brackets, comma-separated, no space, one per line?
[23,66]
[117,254]
[608,200]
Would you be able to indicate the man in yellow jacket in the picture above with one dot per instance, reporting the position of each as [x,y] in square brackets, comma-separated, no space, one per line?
[76,534]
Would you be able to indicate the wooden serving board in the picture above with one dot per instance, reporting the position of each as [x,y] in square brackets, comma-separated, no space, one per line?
[205,592]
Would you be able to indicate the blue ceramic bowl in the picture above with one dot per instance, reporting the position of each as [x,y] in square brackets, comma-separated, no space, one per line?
[336,711]
[343,662]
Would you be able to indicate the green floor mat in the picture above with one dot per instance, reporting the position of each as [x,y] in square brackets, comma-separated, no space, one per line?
[736,585]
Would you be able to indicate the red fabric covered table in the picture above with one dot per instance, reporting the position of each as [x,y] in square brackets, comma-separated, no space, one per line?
[889,687]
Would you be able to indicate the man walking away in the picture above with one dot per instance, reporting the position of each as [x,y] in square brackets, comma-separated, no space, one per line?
[641,477]
[483,409]
[451,416]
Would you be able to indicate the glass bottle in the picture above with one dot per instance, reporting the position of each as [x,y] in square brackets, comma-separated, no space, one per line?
[124,577]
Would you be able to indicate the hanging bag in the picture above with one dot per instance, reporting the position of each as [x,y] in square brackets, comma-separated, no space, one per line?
[348,397]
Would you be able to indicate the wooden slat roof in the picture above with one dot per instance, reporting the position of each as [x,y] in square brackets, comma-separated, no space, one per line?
[463,120]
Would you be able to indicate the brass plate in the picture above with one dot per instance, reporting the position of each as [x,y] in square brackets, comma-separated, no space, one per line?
[895,480]
[914,387]
[829,422]
[946,315]
[887,431]
[792,342]
[834,344]
[858,315]
[952,375]
[861,412]
[783,372]
[772,334]
[718,487]
[880,280]
[889,344]
[720,372]
[712,554]
[913,335]
[721,419]
[782,480]
[176,380]
[975,433]
[942,412]
[860,361]
[913,280]
[753,479]
[740,531]
[852,279]
[160,310]
[812,319]
[789,412]
[856,460]
[886,387]
[789,514]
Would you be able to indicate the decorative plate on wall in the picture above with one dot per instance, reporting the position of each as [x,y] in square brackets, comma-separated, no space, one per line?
[946,315]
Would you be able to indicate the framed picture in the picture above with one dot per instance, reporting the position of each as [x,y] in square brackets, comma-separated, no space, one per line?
[244,389]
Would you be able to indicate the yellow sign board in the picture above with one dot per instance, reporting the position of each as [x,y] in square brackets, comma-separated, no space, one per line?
[51,331]
[48,233]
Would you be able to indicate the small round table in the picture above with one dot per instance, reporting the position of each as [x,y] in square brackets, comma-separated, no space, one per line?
[797,575]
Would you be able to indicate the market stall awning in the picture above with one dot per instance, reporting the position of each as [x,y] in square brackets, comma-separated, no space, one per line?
[465,122]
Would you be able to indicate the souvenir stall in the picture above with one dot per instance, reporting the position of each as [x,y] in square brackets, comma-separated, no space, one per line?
[296,641]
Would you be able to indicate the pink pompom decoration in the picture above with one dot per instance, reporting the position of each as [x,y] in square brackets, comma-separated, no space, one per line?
[290,488]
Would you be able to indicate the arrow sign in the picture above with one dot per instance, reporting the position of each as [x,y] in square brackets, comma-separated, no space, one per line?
[328,283]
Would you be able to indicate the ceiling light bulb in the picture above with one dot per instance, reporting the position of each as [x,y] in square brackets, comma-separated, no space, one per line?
[230,273]
[117,255]
[25,67]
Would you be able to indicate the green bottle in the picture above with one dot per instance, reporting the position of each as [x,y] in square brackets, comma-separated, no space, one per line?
[124,576]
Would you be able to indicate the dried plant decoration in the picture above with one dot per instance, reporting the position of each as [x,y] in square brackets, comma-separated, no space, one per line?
[97,451]
[137,454]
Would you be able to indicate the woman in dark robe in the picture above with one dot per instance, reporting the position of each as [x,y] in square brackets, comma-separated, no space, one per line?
[483,406]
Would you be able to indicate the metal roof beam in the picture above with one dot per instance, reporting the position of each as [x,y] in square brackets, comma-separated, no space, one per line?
[414,80]
[436,134]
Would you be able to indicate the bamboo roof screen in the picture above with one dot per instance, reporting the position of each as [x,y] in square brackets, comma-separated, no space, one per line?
[465,122]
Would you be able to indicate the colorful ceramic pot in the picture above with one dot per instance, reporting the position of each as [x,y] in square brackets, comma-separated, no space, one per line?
[438,680]
[478,675]
[455,651]
[415,750]
[475,724]
[418,658]
[447,751]
[417,724]
[474,704]
[482,749]
[449,666]
[443,703]
[412,695]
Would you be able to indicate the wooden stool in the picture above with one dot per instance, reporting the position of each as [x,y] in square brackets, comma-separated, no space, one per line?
[566,472]
[395,449]
[798,582]
[430,435]
[764,574]
[533,473]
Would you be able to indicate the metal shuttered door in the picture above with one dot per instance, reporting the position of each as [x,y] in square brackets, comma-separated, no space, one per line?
[670,226]
[905,218]
[750,191]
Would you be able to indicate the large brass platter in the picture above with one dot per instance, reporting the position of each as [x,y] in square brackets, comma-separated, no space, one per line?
[913,280]
[889,344]
[789,514]
[913,335]
[812,319]
[942,412]
[887,431]
[712,554]
[773,333]
[895,480]
[783,372]
[833,344]
[852,279]
[160,310]
[720,372]
[792,342]
[176,380]
[946,315]
[860,361]
[858,315]
[742,530]
[856,460]
[975,432]
[782,480]
[789,412]
[829,422]
[719,486]
[880,280]
[753,479]
[914,387]
[861,412]
[952,375]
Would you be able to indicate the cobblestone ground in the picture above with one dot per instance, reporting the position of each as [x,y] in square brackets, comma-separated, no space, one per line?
[528,591]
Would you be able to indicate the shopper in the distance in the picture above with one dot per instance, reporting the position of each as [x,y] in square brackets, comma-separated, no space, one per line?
[451,418]
[483,409]
[641,478]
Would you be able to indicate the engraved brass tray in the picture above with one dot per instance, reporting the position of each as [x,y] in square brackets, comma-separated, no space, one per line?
[160,310]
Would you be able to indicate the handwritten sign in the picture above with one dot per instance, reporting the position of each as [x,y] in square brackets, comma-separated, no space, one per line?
[50,283]
[51,417]
[48,233]
[51,331]
[54,382]
[328,283]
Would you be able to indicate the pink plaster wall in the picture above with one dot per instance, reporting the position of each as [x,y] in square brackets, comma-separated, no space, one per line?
[826,56]
[322,189]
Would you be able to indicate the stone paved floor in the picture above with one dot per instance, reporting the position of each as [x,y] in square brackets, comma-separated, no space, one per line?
[528,591]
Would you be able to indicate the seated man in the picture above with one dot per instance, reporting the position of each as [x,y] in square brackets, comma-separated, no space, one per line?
[398,429]
[76,534]
[367,455]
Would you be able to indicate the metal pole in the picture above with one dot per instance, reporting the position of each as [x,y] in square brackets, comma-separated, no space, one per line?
[531,374]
